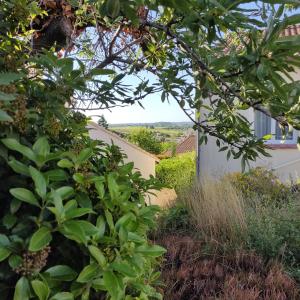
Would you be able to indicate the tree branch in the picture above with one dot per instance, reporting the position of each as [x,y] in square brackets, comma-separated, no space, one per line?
[204,68]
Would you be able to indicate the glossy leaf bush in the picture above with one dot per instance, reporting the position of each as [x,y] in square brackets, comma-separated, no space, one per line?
[177,172]
[74,223]
[73,218]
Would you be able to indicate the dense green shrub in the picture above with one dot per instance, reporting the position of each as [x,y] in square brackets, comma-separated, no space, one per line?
[74,223]
[73,219]
[146,139]
[260,183]
[177,172]
[274,233]
[174,219]
[171,146]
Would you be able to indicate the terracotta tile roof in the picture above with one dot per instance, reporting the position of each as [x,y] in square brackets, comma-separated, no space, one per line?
[187,145]
[291,31]
[281,146]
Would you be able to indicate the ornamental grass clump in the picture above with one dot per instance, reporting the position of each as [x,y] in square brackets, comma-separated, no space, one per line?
[216,208]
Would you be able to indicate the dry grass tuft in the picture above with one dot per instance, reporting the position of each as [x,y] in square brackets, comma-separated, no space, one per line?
[217,209]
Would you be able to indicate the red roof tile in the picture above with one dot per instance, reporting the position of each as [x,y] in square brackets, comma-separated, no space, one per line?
[281,146]
[291,31]
[187,145]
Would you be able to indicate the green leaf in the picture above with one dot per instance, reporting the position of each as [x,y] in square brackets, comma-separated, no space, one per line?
[148,250]
[65,163]
[15,205]
[84,155]
[5,117]
[78,177]
[267,137]
[65,192]
[98,255]
[40,239]
[113,187]
[39,181]
[125,220]
[15,261]
[56,175]
[22,289]
[9,77]
[19,167]
[71,204]
[83,200]
[97,71]
[109,220]
[86,294]
[4,242]
[58,210]
[133,237]
[87,227]
[88,273]
[9,220]
[113,8]
[24,195]
[61,273]
[4,253]
[13,144]
[111,283]
[63,296]
[123,268]
[41,147]
[78,212]
[100,227]
[100,189]
[73,230]
[40,289]
[7,97]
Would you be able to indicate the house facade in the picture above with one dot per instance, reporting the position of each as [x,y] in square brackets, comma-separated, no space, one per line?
[285,156]
[284,160]
[143,161]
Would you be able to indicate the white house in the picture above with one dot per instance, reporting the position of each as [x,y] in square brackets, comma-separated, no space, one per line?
[143,160]
[285,160]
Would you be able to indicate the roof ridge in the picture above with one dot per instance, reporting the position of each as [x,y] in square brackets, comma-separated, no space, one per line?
[190,135]
[121,139]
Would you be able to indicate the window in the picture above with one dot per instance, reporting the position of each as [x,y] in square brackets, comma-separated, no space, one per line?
[264,125]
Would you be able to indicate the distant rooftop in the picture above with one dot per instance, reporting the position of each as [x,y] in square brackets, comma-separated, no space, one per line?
[292,30]
[186,145]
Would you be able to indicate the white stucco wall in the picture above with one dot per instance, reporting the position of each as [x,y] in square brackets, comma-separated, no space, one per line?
[143,161]
[285,162]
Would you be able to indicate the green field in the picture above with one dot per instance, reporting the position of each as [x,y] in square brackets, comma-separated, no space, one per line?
[170,134]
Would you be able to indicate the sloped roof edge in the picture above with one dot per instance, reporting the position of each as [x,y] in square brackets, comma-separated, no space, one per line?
[114,135]
[185,144]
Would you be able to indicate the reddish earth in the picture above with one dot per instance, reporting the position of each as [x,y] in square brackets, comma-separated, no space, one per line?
[189,274]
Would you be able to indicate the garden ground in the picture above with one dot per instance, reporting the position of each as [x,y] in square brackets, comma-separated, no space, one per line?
[237,238]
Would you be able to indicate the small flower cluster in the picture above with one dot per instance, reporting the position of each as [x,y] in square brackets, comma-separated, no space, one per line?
[33,262]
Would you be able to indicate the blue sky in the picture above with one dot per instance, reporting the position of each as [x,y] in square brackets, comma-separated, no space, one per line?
[155,111]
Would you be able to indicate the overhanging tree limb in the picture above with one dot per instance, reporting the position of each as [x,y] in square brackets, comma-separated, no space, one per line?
[204,68]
